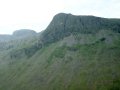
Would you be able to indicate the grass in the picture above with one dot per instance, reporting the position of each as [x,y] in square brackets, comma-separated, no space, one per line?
[54,67]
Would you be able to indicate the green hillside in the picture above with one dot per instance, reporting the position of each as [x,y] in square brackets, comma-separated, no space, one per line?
[73,53]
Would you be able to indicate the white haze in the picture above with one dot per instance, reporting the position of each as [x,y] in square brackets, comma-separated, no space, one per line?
[37,14]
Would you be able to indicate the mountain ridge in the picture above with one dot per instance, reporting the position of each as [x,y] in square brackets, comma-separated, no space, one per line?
[72,53]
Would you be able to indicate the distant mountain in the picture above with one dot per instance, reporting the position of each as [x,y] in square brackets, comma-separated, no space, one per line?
[5,38]
[24,33]
[18,34]
[17,39]
[72,53]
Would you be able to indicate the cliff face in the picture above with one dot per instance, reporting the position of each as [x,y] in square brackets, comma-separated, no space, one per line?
[64,25]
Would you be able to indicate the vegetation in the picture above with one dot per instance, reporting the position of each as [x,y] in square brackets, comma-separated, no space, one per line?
[73,53]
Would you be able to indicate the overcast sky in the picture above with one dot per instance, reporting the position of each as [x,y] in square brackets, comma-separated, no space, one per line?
[37,14]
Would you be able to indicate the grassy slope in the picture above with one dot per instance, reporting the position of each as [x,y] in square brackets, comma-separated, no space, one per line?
[59,67]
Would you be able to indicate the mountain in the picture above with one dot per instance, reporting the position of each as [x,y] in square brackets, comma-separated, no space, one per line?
[64,25]
[19,39]
[5,38]
[72,53]
[24,33]
[18,34]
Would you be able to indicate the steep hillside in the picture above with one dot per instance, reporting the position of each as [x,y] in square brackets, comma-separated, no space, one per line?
[73,53]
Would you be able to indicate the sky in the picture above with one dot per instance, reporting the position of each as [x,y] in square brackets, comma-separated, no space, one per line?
[37,14]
